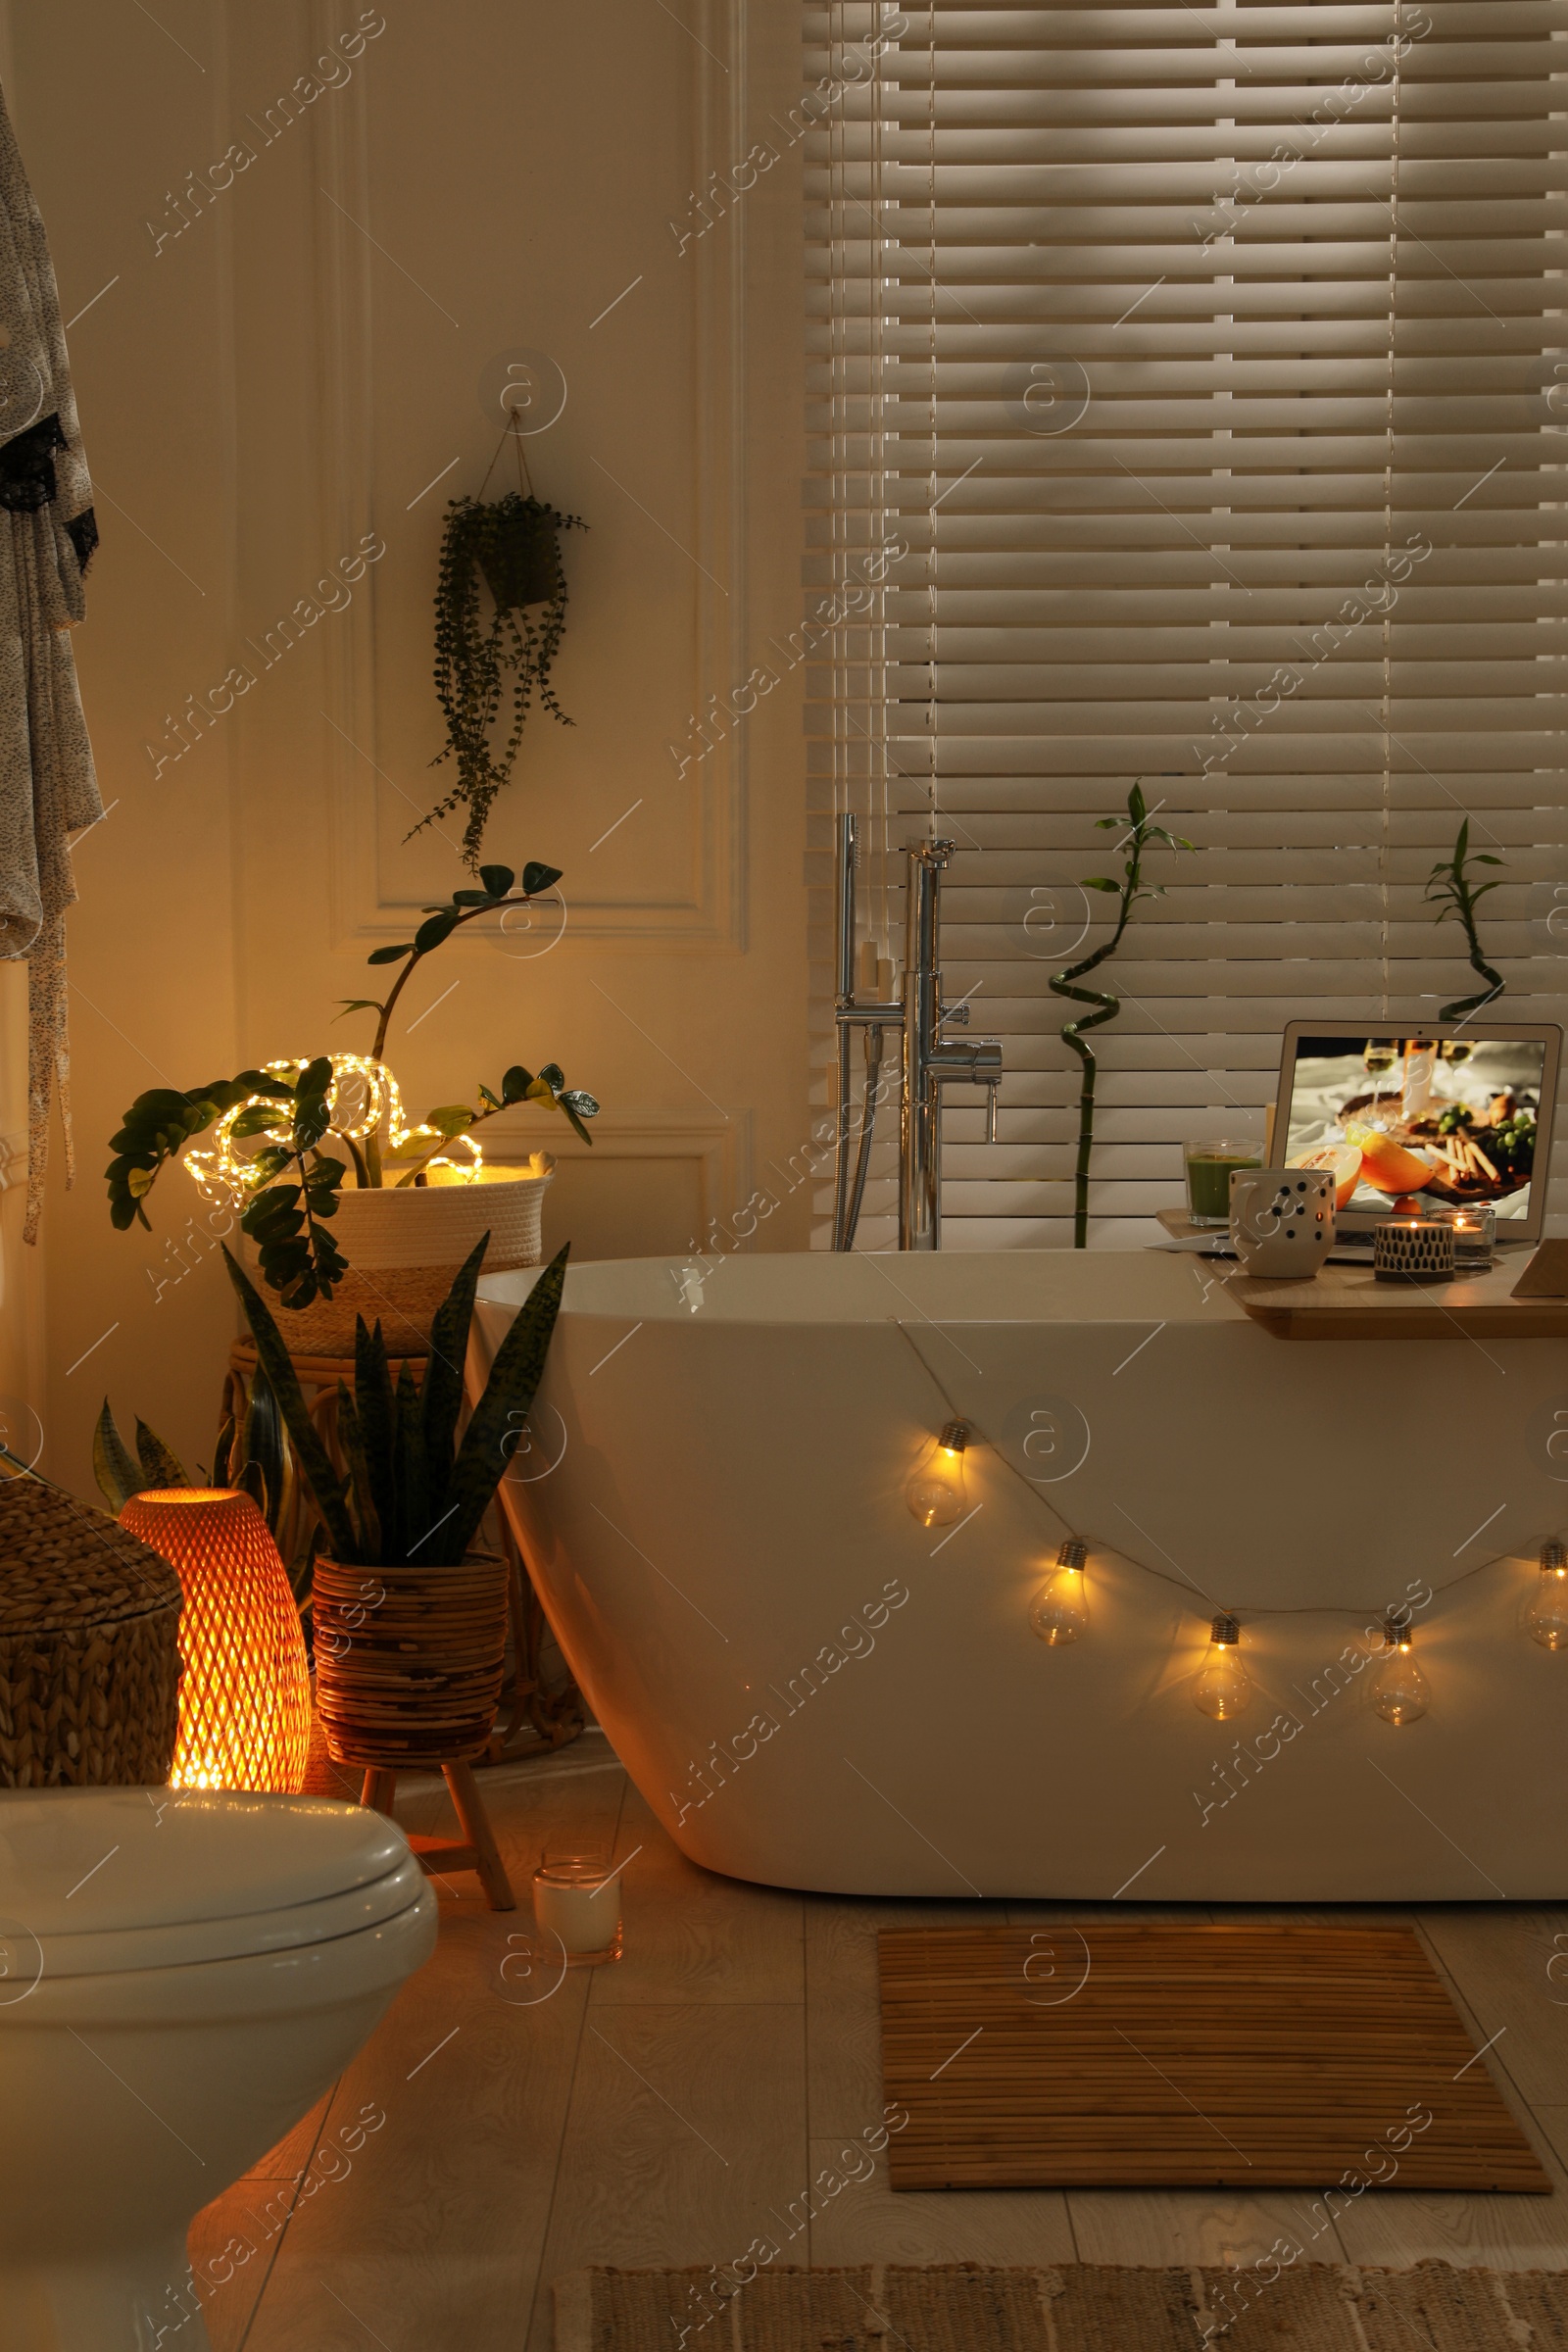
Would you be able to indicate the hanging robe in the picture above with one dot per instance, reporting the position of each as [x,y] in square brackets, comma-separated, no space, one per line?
[48,790]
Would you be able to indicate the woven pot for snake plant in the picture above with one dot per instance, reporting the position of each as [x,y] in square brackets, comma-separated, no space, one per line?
[409,1662]
[89,1651]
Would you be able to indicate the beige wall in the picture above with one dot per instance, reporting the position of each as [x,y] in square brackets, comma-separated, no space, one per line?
[281,378]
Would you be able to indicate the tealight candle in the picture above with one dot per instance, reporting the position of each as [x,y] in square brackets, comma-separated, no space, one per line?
[577,1901]
[1474,1226]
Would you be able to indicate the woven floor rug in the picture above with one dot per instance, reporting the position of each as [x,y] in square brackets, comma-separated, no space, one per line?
[966,2308]
[1141,2055]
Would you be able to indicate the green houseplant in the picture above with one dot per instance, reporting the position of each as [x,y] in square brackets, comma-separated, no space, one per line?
[410,1619]
[511,547]
[1139,836]
[1456,895]
[273,1125]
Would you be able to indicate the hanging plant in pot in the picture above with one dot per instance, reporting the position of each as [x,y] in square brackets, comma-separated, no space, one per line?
[379,1226]
[510,547]
[410,1616]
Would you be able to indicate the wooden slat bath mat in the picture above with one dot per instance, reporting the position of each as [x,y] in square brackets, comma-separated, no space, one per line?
[1150,2056]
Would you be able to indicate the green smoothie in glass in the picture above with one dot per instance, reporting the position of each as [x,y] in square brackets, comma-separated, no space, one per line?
[1208,1178]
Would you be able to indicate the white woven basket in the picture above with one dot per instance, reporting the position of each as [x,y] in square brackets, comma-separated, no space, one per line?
[404,1245]
[438,1224]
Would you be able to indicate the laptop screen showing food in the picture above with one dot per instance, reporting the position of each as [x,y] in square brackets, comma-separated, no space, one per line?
[1402,1120]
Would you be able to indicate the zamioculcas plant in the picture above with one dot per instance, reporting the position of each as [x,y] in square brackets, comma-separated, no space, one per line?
[287,1184]
[1132,886]
[413,1495]
[1450,885]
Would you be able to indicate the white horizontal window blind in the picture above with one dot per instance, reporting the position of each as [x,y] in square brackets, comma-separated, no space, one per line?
[1189,390]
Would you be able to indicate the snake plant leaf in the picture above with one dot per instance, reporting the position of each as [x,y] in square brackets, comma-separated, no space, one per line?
[441,1397]
[537,877]
[353,1444]
[418,1543]
[263,1448]
[497,879]
[118,1473]
[391,955]
[161,1465]
[378,1413]
[223,1452]
[514,1377]
[328,1490]
[251,1481]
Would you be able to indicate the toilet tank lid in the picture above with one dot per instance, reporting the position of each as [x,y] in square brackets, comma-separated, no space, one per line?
[84,1861]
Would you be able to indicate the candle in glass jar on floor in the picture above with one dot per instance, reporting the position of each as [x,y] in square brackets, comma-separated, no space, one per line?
[576,1901]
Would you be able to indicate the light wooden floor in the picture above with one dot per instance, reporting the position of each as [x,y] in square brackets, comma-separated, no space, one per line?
[666,2110]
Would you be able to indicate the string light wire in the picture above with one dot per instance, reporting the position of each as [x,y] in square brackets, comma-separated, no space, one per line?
[1183,1585]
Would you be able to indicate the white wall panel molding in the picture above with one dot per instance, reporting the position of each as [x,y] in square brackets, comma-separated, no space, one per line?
[372,894]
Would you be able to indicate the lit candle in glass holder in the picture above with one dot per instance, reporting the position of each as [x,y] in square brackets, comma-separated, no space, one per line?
[577,1901]
[1474,1226]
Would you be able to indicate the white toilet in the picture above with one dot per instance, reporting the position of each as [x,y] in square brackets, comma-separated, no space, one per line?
[182,1974]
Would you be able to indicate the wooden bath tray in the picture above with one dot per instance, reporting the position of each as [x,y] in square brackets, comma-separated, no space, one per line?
[1348,1303]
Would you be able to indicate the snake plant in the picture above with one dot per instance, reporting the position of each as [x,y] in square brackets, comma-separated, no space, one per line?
[413,1495]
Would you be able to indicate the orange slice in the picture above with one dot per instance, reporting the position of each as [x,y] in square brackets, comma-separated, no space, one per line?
[1345,1162]
[1386,1165]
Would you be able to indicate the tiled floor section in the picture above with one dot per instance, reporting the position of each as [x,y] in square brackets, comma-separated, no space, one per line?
[666,2110]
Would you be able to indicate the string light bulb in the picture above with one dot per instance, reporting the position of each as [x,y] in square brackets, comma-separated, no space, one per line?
[1222,1686]
[1400,1691]
[1060,1612]
[936,1492]
[1548,1614]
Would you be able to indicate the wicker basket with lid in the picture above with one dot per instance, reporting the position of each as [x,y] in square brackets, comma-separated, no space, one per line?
[89,1652]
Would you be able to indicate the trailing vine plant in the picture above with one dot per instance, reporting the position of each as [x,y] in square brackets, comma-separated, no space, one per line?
[508,548]
[1450,884]
[1139,837]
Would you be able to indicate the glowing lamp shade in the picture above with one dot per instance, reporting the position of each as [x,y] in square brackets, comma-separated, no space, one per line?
[245,1694]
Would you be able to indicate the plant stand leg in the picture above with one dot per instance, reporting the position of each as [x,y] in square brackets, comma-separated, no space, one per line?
[480,1836]
[381,1786]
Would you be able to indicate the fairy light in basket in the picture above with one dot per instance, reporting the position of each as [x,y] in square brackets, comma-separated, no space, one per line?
[380,1100]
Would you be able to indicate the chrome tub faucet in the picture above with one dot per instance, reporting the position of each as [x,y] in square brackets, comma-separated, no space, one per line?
[929,1060]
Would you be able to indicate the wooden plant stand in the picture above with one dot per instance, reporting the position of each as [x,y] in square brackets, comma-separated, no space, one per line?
[476,1850]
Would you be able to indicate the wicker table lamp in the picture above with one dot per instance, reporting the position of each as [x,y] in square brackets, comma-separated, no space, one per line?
[245,1709]
[89,1655]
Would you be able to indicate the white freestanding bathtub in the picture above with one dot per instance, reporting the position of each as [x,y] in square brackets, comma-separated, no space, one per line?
[812,1690]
